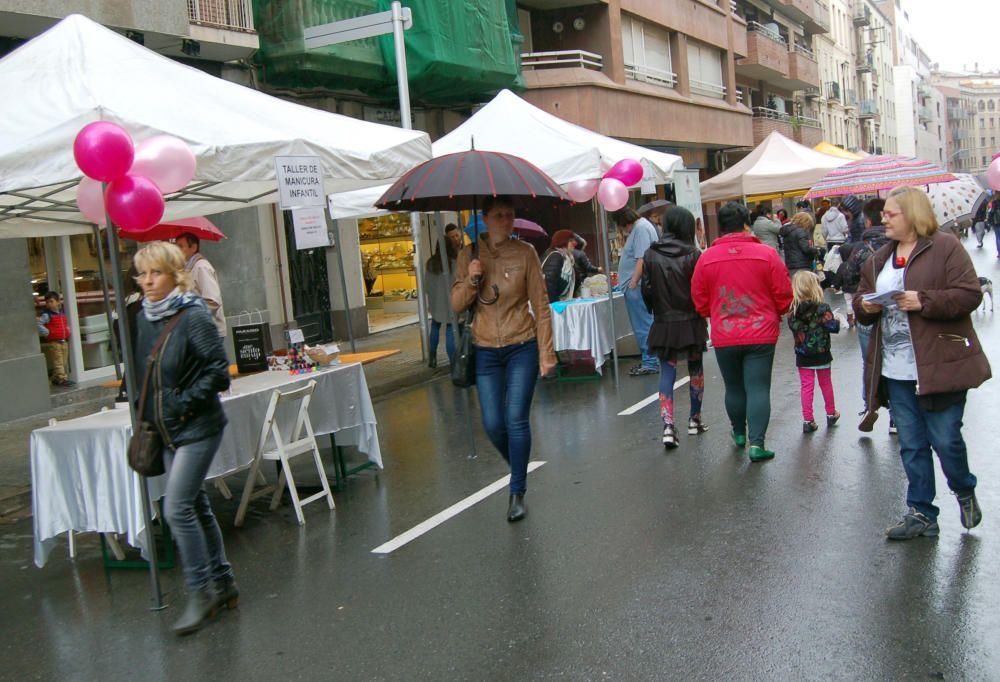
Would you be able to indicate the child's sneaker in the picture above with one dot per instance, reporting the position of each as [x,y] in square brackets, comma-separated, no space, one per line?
[696,427]
[831,419]
[809,427]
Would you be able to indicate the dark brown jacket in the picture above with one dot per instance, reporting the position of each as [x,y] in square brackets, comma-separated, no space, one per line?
[514,268]
[945,346]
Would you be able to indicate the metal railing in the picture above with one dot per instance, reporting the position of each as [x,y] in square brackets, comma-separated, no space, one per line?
[775,115]
[832,90]
[562,59]
[850,99]
[924,114]
[805,51]
[233,15]
[761,29]
[650,74]
[708,89]
[869,107]
[812,92]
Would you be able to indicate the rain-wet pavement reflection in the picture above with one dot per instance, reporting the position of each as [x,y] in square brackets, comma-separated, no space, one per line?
[633,563]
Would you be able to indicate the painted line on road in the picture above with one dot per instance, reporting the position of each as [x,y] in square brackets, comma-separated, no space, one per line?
[444,515]
[651,399]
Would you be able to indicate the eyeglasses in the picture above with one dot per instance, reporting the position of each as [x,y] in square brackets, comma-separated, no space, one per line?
[891,214]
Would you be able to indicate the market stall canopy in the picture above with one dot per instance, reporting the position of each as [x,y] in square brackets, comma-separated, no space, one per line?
[776,165]
[834,150]
[564,151]
[79,72]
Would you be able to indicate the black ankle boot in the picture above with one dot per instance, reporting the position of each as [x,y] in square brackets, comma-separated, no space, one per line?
[515,508]
[432,363]
[227,594]
[200,608]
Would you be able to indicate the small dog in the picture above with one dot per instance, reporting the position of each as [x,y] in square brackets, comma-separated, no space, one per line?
[987,286]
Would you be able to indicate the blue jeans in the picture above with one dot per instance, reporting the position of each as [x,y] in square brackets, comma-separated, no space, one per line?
[864,335]
[919,431]
[505,379]
[641,320]
[435,335]
[187,510]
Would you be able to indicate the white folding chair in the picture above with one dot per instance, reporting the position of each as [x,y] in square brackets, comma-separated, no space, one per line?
[283,452]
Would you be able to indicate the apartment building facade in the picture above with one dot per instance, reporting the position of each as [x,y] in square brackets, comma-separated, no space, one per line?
[973,118]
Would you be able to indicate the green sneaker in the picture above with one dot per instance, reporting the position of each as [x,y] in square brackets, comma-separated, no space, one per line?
[759,454]
[739,439]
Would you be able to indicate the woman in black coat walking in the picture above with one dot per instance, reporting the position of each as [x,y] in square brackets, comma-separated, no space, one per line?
[678,332]
[796,236]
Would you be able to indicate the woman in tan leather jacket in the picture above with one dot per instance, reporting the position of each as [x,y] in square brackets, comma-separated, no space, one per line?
[512,335]
[923,355]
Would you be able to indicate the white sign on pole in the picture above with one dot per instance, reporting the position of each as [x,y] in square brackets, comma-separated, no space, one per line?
[354,29]
[300,181]
[310,228]
[687,191]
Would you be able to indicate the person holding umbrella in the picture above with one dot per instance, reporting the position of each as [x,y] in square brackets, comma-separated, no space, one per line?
[513,342]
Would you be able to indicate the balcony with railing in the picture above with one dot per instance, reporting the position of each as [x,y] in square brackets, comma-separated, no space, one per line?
[832,90]
[813,92]
[231,15]
[849,99]
[862,15]
[799,11]
[766,121]
[649,74]
[706,89]
[868,109]
[924,115]
[803,70]
[562,59]
[767,54]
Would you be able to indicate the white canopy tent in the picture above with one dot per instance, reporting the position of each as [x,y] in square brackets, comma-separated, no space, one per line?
[79,72]
[776,165]
[564,151]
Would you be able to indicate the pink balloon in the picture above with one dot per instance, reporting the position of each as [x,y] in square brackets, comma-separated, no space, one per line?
[103,151]
[629,171]
[582,190]
[613,194]
[993,174]
[166,160]
[90,201]
[134,203]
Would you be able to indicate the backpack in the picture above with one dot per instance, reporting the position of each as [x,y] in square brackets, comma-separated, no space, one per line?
[851,275]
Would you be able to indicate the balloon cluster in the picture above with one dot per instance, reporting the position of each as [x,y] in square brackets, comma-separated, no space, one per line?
[137,176]
[993,173]
[612,189]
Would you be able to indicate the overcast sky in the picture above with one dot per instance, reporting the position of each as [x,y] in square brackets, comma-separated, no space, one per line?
[957,33]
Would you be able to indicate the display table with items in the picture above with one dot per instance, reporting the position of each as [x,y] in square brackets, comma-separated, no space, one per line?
[581,329]
[81,481]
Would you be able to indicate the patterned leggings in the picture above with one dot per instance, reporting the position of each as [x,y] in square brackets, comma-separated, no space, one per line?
[668,375]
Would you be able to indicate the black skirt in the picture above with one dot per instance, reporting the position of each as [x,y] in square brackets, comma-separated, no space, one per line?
[678,340]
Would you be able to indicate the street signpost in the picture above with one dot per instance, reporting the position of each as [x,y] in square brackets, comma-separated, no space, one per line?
[395,21]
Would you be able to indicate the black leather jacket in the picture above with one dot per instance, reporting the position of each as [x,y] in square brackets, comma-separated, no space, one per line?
[183,396]
[799,253]
[666,280]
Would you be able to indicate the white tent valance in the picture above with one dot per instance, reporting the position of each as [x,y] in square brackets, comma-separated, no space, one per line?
[564,151]
[79,72]
[776,165]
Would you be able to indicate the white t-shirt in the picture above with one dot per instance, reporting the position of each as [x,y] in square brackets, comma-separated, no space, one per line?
[898,361]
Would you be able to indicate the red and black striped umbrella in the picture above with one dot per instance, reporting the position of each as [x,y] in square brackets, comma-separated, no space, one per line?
[459,181]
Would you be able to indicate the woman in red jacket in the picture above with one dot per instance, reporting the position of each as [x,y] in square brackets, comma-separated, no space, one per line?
[743,286]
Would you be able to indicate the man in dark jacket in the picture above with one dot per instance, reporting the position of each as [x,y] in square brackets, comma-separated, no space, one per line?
[851,207]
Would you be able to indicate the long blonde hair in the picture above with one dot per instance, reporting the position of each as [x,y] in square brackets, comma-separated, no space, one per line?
[168,259]
[805,289]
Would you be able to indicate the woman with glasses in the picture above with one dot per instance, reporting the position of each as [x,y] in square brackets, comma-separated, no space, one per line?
[924,355]
[512,333]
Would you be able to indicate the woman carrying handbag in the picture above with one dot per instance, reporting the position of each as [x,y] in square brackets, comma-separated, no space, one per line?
[188,369]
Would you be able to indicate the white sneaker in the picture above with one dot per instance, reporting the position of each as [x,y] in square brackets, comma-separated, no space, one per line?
[696,427]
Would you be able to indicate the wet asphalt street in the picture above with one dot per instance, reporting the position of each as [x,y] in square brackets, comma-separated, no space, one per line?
[633,564]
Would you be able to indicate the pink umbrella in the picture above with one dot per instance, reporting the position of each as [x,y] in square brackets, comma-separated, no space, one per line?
[874,173]
[202,228]
[525,229]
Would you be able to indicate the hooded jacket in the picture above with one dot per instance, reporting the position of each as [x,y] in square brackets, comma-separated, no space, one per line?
[835,227]
[947,351]
[811,324]
[767,231]
[743,286]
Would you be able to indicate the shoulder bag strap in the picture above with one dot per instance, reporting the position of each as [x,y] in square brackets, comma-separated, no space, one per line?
[161,339]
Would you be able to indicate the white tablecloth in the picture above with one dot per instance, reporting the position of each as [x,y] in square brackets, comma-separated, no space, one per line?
[81,481]
[585,324]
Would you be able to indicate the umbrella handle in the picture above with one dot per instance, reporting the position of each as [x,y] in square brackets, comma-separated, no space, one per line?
[496,296]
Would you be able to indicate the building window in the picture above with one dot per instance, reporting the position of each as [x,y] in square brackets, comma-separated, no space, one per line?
[982,105]
[647,52]
[705,70]
[991,105]
[982,142]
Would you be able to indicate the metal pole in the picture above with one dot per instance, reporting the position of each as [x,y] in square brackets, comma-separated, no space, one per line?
[130,387]
[602,218]
[107,299]
[338,243]
[71,308]
[418,266]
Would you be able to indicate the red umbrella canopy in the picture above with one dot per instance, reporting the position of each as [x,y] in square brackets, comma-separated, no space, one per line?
[202,228]
[875,173]
[458,181]
[526,229]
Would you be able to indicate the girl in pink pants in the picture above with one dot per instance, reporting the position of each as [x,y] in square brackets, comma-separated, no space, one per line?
[812,322]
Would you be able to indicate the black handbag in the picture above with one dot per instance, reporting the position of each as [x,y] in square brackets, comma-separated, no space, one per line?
[145,448]
[463,367]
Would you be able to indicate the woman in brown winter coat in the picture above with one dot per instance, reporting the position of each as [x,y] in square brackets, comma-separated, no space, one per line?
[923,355]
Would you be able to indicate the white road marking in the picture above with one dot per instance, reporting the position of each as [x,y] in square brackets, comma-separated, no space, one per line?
[442,516]
[651,399]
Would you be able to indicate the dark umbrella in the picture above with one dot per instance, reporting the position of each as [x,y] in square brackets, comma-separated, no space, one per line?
[655,206]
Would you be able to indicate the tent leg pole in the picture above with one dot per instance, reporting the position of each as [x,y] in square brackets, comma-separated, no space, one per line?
[418,267]
[130,387]
[338,244]
[107,299]
[602,218]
